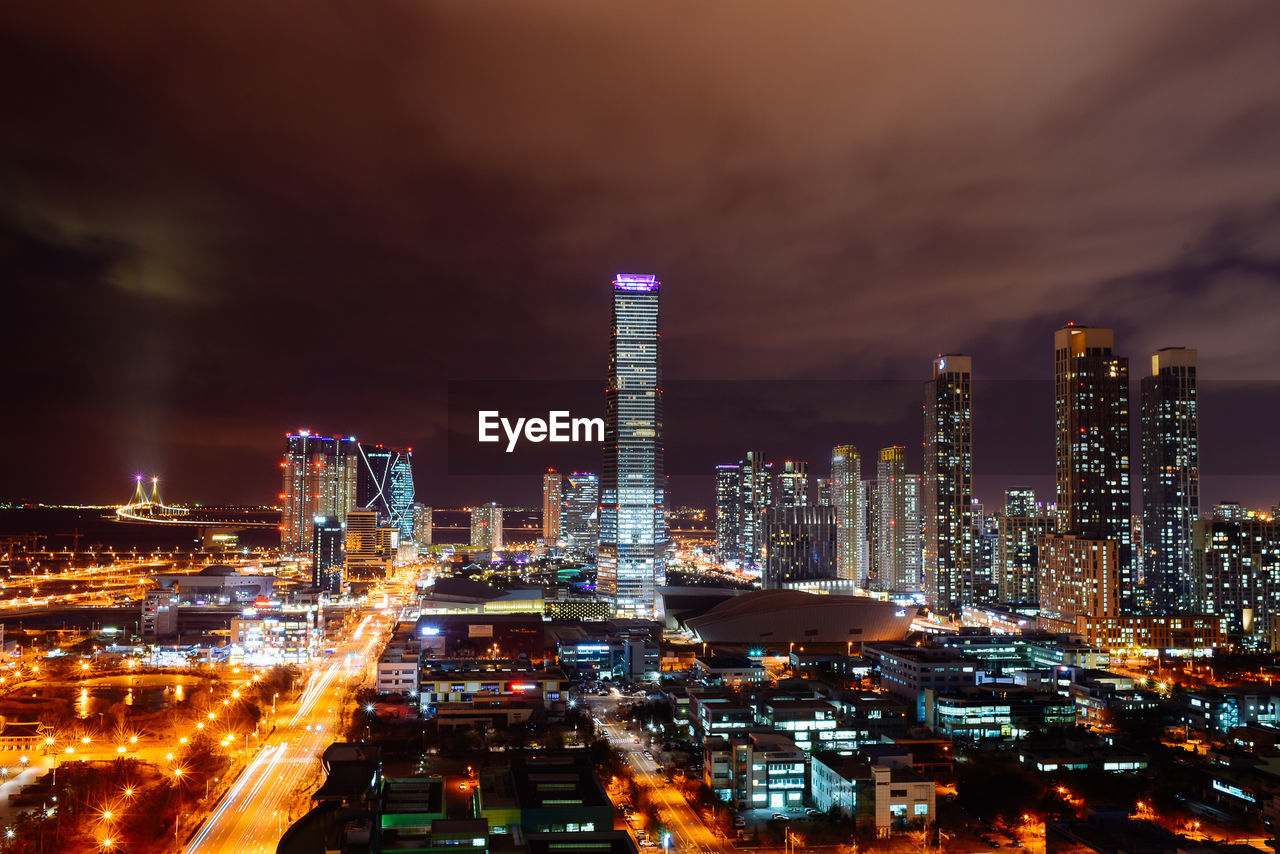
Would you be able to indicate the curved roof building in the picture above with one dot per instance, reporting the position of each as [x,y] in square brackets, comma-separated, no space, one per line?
[781,615]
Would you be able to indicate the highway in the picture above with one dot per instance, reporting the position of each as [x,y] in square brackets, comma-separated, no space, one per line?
[254,812]
[688,832]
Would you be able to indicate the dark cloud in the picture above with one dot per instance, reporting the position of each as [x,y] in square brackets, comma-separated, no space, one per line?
[225,221]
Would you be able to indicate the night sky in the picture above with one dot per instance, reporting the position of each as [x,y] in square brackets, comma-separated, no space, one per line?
[223,221]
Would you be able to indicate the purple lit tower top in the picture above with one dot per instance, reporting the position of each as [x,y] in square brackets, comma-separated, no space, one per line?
[636,282]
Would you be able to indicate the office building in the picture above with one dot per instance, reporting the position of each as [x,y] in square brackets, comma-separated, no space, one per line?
[486,527]
[370,547]
[328,554]
[422,524]
[1170,481]
[552,508]
[848,495]
[728,513]
[1091,418]
[824,492]
[1239,560]
[793,484]
[402,493]
[580,522]
[800,545]
[385,485]
[948,484]
[319,479]
[897,535]
[632,560]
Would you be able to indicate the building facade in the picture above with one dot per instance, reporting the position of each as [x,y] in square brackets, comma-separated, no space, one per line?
[319,479]
[793,484]
[897,540]
[800,544]
[552,508]
[486,526]
[580,521]
[948,484]
[632,559]
[328,554]
[1239,561]
[1170,482]
[728,511]
[851,516]
[1091,418]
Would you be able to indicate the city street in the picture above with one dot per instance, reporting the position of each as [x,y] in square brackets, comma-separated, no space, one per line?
[255,811]
[688,832]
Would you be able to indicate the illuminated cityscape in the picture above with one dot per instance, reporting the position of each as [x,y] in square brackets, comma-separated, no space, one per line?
[922,496]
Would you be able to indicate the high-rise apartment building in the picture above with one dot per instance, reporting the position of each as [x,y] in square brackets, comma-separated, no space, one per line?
[422,524]
[800,544]
[948,484]
[824,492]
[755,491]
[486,526]
[319,479]
[1019,531]
[1091,416]
[328,554]
[897,547]
[793,484]
[580,522]
[552,508]
[632,559]
[1170,482]
[1239,560]
[1079,576]
[728,515]
[847,494]
[986,553]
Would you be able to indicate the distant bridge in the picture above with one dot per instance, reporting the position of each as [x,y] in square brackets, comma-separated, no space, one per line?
[150,510]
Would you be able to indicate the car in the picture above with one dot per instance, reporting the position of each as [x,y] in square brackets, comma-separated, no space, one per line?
[779,817]
[811,811]
[739,821]
[635,741]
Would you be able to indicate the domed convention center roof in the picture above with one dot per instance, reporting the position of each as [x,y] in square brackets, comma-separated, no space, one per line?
[784,615]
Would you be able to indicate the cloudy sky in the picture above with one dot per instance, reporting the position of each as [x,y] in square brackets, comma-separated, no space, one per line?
[223,221]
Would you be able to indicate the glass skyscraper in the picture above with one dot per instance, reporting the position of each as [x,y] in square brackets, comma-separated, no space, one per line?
[1170,481]
[328,554]
[948,484]
[633,506]
[385,484]
[580,521]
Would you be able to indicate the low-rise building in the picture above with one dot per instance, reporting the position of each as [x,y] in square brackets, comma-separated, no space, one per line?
[398,664]
[909,671]
[758,769]
[729,669]
[997,711]
[883,798]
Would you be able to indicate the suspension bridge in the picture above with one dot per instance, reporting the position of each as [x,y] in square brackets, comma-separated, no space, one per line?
[148,509]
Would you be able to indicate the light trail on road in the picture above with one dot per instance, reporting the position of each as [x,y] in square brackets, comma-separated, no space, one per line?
[255,810]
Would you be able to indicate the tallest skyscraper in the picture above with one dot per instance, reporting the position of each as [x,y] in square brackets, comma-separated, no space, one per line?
[632,558]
